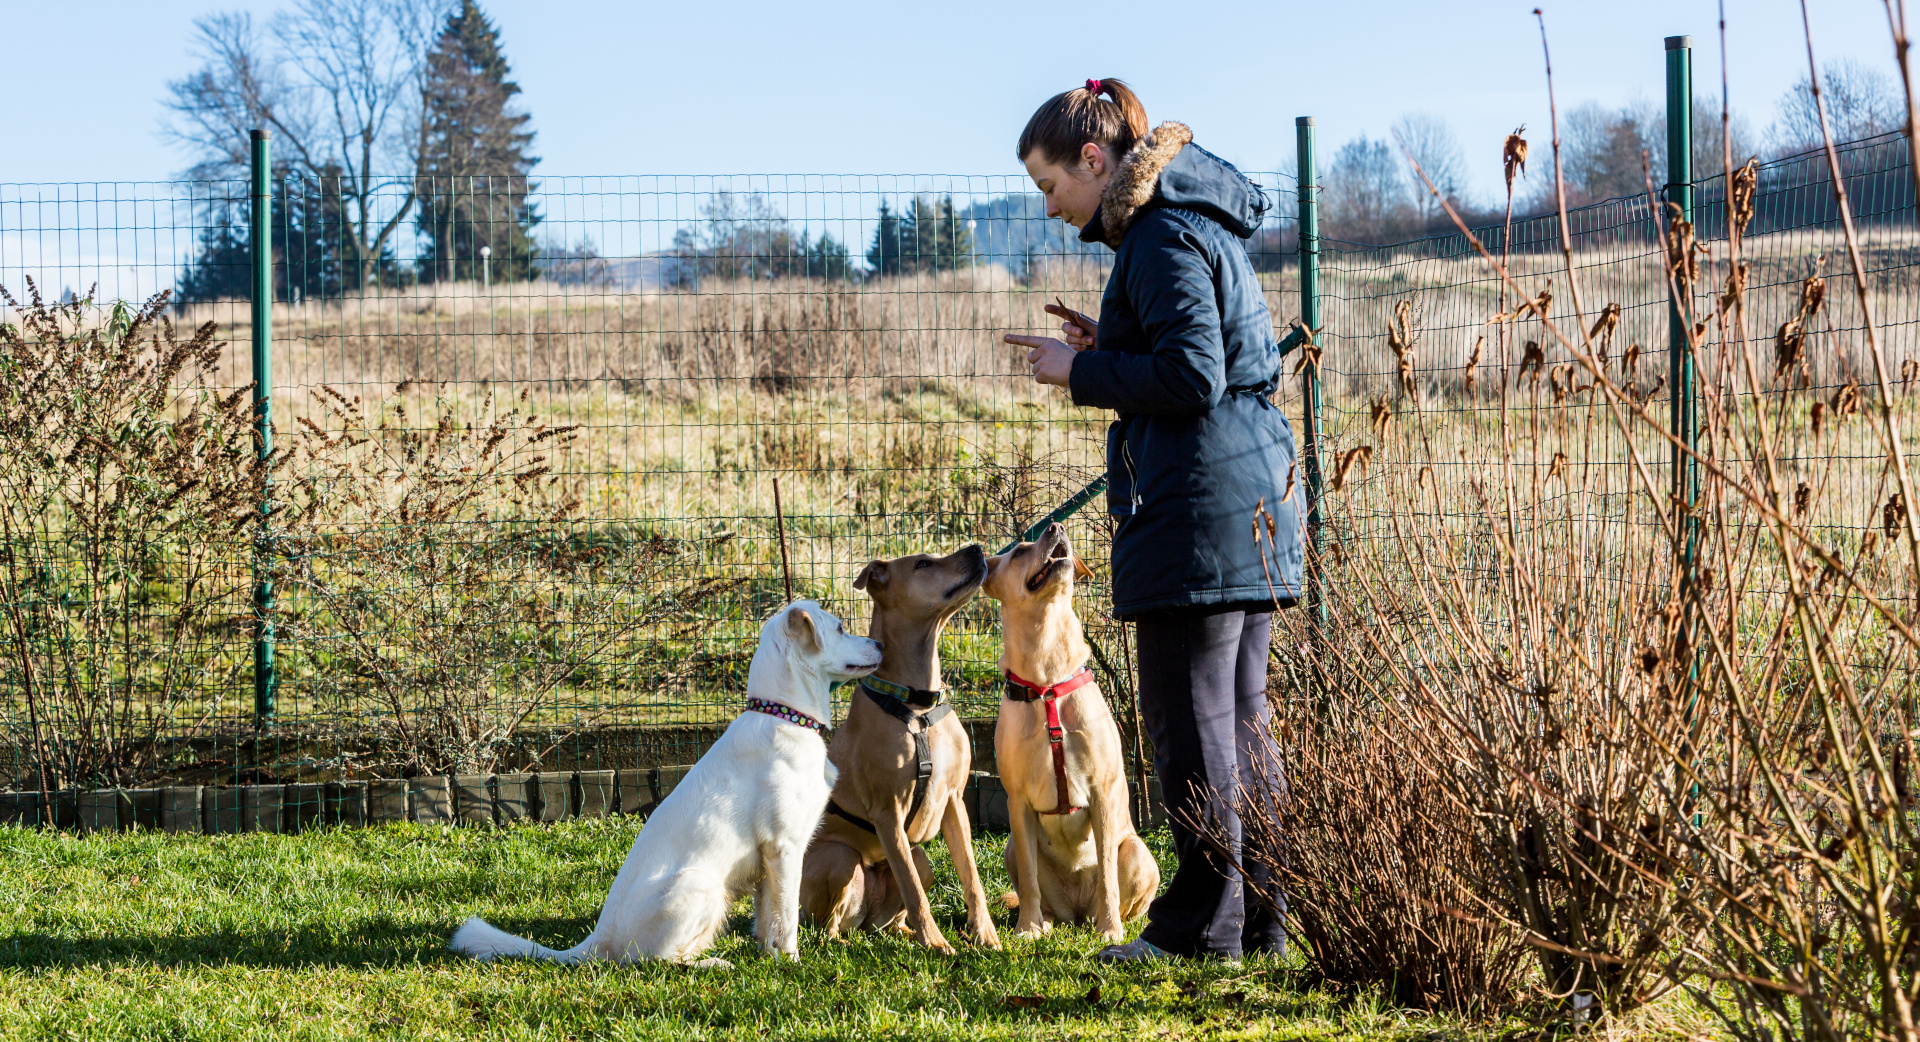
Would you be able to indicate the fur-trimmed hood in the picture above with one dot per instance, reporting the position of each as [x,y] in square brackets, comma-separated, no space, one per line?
[1165,168]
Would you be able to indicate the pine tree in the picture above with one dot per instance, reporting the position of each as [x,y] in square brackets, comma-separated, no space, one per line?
[884,256]
[223,265]
[927,236]
[826,259]
[945,241]
[313,252]
[474,162]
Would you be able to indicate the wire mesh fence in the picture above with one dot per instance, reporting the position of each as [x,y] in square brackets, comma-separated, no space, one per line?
[524,505]
[522,498]
[1428,326]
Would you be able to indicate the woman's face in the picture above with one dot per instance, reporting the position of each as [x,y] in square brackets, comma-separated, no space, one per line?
[1072,190]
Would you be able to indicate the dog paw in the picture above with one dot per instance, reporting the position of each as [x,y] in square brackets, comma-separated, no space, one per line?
[987,940]
[1030,932]
[710,964]
[938,943]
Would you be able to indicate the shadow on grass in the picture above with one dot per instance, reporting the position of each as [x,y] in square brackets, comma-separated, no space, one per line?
[374,941]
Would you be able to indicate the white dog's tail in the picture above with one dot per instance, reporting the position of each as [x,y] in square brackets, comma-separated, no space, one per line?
[478,939]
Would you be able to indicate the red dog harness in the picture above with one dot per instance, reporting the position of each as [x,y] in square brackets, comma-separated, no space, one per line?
[1026,691]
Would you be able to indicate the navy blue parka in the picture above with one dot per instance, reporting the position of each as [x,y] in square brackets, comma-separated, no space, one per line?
[1186,355]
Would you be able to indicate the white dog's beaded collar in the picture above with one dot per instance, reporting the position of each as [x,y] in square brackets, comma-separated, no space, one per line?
[787,713]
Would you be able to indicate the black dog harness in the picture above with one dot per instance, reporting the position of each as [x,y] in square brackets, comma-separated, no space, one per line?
[899,702]
[1027,691]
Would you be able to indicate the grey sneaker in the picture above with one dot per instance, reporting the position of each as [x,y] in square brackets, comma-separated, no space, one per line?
[1133,951]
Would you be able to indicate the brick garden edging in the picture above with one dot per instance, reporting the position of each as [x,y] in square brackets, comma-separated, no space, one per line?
[464,799]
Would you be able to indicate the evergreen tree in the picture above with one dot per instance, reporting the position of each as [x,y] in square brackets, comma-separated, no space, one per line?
[883,257]
[314,252]
[474,163]
[826,258]
[945,242]
[928,236]
[223,265]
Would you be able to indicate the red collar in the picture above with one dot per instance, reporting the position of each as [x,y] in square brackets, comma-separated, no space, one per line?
[1035,691]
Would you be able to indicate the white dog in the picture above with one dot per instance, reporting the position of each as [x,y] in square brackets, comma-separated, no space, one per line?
[740,819]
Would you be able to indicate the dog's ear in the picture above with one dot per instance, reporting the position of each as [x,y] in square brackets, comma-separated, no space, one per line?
[1080,569]
[801,630]
[874,574]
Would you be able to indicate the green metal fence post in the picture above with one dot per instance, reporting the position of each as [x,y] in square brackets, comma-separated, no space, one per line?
[1310,373]
[263,678]
[1680,375]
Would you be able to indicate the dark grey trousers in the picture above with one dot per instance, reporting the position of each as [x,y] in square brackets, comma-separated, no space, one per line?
[1203,699]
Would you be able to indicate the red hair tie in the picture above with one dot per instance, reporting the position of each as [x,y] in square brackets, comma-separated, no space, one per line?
[1093,87]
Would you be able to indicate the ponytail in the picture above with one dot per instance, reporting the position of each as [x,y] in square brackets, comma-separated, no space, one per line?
[1073,118]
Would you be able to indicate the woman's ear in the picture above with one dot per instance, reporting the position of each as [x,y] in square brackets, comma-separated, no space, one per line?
[1093,159]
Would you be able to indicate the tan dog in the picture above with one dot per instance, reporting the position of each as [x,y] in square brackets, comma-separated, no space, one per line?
[904,761]
[1074,855]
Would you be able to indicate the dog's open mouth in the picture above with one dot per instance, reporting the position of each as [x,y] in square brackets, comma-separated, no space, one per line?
[1059,556]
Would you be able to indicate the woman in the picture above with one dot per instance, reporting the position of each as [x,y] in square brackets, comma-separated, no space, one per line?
[1184,352]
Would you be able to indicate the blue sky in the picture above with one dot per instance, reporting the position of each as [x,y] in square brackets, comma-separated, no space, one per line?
[735,86]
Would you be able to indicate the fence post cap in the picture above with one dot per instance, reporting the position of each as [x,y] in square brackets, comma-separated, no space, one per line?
[1303,121]
[1679,43]
[262,135]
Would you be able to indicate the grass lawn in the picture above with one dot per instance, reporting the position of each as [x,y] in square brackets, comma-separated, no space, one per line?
[342,933]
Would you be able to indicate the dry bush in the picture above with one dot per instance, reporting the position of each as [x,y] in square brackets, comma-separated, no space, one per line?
[1365,841]
[127,486]
[1677,719]
[441,589]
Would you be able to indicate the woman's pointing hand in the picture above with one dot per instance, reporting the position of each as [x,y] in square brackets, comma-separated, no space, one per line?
[1051,359]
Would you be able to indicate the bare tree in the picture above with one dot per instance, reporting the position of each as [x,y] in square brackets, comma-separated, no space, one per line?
[1861,102]
[1603,150]
[338,83]
[1366,193]
[1431,143]
[1607,152]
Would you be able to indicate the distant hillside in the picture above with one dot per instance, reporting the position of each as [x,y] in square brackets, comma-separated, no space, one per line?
[1013,230]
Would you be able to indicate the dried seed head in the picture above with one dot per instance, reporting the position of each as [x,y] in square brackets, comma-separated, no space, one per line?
[1789,346]
[1846,402]
[1382,416]
[1532,357]
[1360,457]
[1401,339]
[1802,498]
[1736,290]
[1683,260]
[1602,331]
[1893,516]
[1740,193]
[1812,292]
[1819,418]
[1513,155]
[1309,350]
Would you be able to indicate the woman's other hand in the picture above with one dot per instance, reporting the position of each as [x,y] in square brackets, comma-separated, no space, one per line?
[1076,329]
[1051,359]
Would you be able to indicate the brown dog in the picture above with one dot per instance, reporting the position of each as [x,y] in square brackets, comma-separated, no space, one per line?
[1074,855]
[904,761]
